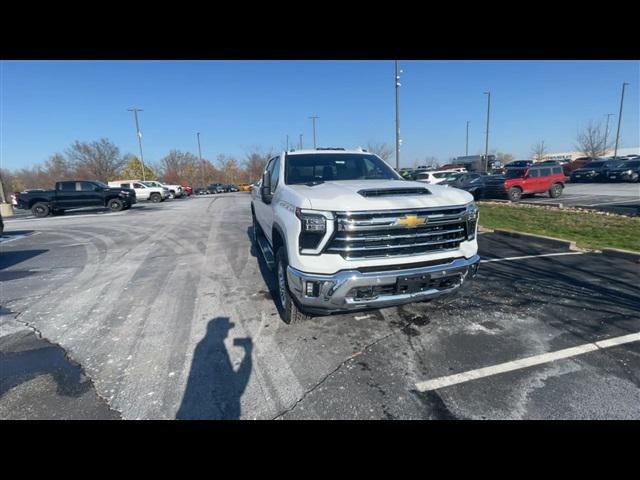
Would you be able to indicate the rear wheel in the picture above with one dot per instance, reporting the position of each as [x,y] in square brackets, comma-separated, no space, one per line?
[115,205]
[556,190]
[155,197]
[40,210]
[515,194]
[289,310]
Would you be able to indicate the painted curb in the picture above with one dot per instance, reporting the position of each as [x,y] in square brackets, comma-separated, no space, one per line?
[550,241]
[618,253]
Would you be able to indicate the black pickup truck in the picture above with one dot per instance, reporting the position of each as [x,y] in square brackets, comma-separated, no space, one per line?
[76,194]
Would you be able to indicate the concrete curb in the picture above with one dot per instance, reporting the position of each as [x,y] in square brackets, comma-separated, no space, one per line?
[618,253]
[550,241]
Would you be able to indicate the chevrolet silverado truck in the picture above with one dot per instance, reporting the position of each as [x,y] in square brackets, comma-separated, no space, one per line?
[344,232]
[73,194]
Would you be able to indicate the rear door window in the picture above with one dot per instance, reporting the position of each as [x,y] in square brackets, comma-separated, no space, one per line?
[545,172]
[138,185]
[68,186]
[557,170]
[125,185]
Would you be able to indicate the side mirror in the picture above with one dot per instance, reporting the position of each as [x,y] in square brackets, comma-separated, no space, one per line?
[265,190]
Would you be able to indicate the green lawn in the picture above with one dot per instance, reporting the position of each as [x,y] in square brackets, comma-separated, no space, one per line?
[588,230]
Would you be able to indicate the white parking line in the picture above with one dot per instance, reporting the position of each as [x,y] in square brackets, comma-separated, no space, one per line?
[530,256]
[449,380]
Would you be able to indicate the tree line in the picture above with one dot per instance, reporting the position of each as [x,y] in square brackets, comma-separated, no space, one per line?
[102,160]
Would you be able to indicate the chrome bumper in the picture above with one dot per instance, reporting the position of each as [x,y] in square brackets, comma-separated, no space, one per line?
[335,291]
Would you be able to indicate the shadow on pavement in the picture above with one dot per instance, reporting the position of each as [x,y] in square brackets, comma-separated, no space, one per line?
[214,388]
[9,258]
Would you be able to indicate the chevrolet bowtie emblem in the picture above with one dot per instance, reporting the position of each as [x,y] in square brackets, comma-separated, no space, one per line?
[412,221]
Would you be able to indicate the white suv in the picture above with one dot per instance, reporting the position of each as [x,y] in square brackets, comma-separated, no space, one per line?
[344,231]
[143,192]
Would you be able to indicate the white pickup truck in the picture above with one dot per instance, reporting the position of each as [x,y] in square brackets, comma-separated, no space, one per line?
[344,231]
[143,192]
[175,191]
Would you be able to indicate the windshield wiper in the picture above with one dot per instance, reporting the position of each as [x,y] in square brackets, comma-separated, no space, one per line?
[314,182]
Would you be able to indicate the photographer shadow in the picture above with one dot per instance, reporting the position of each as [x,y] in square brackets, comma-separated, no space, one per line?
[214,388]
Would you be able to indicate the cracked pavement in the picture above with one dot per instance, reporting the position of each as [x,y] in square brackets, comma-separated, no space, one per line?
[167,312]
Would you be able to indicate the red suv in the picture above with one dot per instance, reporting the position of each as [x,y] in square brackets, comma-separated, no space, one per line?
[525,181]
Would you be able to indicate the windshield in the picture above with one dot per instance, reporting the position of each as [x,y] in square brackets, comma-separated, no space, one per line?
[515,172]
[324,167]
[102,185]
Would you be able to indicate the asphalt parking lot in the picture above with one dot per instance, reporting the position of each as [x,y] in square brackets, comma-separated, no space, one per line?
[620,198]
[164,311]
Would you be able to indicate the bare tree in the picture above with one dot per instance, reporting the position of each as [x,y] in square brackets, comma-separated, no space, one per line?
[590,141]
[100,160]
[539,151]
[255,163]
[383,150]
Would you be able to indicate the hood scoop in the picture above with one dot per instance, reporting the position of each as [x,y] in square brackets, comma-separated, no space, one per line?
[394,192]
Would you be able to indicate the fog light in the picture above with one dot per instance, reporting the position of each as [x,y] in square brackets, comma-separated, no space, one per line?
[312,289]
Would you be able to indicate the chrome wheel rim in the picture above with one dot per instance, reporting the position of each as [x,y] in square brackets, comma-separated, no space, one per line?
[281,284]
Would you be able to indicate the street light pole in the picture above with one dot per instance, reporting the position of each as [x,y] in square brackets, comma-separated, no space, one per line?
[606,132]
[466,148]
[139,134]
[397,116]
[300,141]
[314,129]
[486,144]
[201,162]
[615,152]
[287,143]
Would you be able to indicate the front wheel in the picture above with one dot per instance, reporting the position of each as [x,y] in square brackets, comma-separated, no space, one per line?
[289,310]
[515,194]
[555,191]
[115,205]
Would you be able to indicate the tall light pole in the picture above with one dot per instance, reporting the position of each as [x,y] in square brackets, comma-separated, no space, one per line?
[314,118]
[139,135]
[606,132]
[466,147]
[397,116]
[300,141]
[287,143]
[615,152]
[486,144]
[201,162]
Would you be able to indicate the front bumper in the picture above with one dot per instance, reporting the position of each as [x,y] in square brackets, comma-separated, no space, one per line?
[341,291]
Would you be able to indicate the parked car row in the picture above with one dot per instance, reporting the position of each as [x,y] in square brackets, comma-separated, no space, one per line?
[116,195]
[605,170]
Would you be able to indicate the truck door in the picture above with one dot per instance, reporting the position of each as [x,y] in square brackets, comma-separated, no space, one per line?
[66,196]
[88,196]
[264,212]
[142,192]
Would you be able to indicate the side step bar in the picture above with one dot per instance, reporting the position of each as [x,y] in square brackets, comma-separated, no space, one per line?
[267,252]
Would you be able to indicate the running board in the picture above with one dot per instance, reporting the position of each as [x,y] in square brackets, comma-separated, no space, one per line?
[267,253]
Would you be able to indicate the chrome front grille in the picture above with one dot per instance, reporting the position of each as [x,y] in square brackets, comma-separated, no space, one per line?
[392,233]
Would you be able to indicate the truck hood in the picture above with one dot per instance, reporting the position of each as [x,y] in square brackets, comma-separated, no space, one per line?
[343,195]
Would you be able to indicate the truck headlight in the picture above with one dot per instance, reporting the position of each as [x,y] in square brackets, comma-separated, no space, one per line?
[311,222]
[313,230]
[472,215]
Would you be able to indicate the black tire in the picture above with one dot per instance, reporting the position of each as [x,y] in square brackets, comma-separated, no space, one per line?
[635,178]
[289,311]
[514,194]
[155,197]
[115,205]
[40,210]
[556,190]
[172,194]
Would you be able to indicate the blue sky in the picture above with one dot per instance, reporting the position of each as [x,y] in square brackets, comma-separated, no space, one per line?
[235,105]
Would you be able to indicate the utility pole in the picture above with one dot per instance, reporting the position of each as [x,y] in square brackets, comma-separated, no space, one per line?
[615,152]
[139,135]
[287,143]
[300,141]
[466,148]
[398,141]
[486,144]
[313,118]
[201,162]
[606,132]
